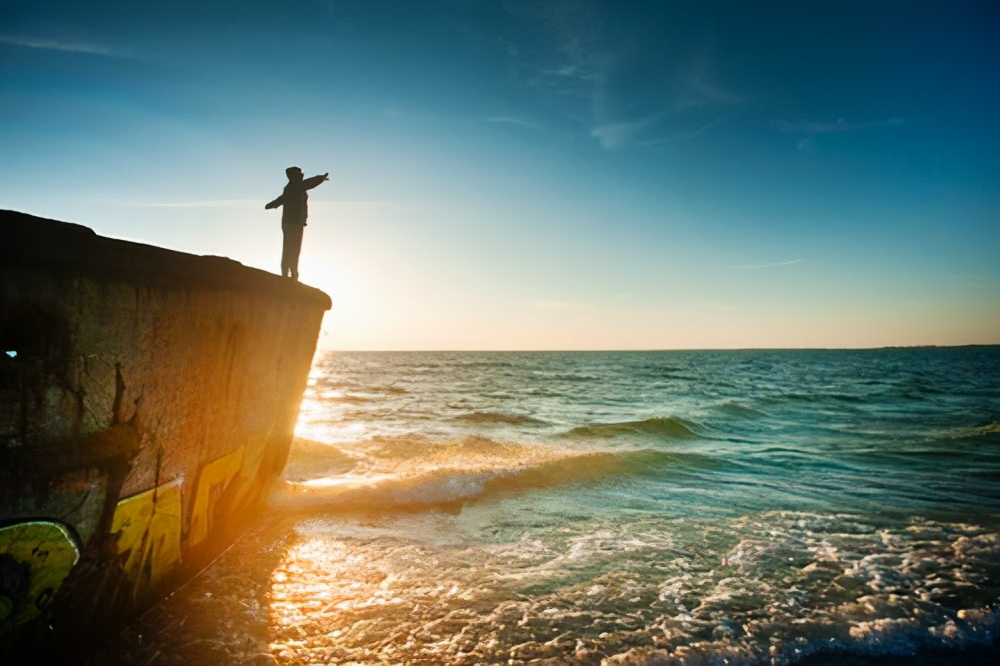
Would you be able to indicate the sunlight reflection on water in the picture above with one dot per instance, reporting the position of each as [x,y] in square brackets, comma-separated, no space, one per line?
[763,589]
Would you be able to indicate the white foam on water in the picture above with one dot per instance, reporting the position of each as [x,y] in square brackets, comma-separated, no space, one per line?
[764,589]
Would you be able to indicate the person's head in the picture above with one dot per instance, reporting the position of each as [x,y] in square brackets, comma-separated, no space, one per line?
[294,173]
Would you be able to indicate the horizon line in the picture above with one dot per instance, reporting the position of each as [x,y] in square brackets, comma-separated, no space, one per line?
[645,350]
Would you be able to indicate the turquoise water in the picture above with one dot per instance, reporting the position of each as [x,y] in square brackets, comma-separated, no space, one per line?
[661,507]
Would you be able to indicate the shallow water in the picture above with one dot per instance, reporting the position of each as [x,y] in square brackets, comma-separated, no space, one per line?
[661,507]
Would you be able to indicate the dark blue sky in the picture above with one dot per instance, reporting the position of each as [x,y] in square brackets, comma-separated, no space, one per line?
[541,174]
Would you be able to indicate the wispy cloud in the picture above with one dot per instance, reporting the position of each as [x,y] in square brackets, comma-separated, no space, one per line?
[61,45]
[690,134]
[507,120]
[215,203]
[810,129]
[623,134]
[691,103]
[772,265]
[622,94]
[571,66]
[695,87]
[813,127]
[649,132]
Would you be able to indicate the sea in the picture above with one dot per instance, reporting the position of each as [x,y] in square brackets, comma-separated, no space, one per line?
[665,507]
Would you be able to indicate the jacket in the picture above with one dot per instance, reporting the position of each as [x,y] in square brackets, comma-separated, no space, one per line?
[295,201]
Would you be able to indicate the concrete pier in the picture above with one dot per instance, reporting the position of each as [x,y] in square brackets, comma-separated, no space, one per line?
[147,401]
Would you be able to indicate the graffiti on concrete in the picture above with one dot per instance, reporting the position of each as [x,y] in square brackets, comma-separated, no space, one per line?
[215,477]
[148,526]
[250,472]
[147,529]
[35,558]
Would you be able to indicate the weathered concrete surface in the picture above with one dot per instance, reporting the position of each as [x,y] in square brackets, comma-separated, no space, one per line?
[147,400]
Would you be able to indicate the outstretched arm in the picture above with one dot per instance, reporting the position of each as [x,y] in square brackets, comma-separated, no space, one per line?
[274,204]
[310,183]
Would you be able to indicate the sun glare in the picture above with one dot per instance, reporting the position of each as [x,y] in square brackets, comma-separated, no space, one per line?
[357,311]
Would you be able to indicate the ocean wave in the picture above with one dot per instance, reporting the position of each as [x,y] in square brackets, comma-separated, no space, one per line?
[489,365]
[738,409]
[340,385]
[959,443]
[308,459]
[658,427]
[555,377]
[987,430]
[498,418]
[350,399]
[813,398]
[414,473]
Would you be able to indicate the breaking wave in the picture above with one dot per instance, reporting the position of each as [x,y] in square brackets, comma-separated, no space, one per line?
[415,473]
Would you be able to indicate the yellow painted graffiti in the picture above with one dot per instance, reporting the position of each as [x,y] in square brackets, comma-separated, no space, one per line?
[212,482]
[35,558]
[252,458]
[148,526]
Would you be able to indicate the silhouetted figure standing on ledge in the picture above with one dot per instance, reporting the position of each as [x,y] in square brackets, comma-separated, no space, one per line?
[293,217]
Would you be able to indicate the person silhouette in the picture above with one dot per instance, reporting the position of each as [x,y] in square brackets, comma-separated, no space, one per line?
[295,211]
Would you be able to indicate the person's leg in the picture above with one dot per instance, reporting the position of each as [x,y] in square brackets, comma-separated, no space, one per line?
[295,250]
[287,234]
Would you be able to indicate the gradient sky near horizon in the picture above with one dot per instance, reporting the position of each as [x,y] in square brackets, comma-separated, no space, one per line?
[539,175]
